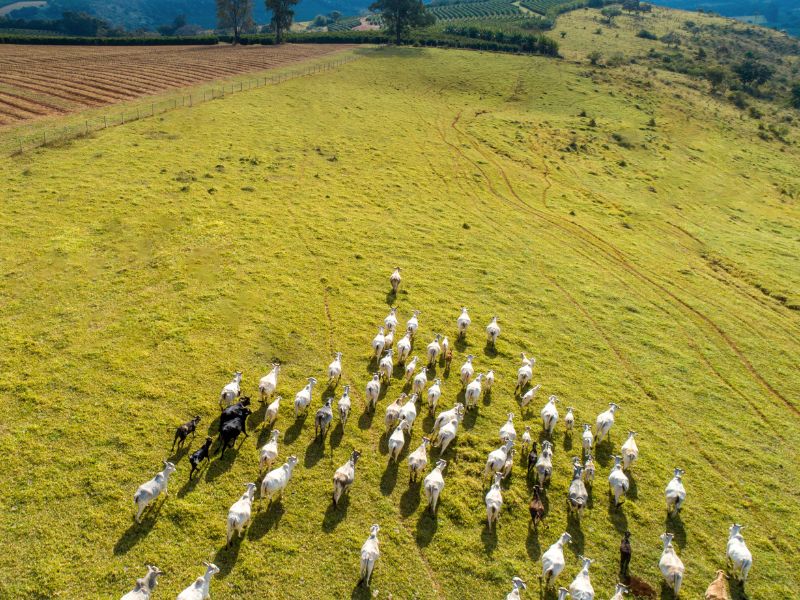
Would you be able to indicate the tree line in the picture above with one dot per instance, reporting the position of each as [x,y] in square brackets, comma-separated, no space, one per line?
[399,16]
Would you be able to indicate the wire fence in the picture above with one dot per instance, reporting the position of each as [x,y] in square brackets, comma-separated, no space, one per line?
[25,139]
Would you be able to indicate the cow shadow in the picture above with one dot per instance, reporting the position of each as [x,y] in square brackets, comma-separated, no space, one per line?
[220,466]
[181,452]
[226,557]
[389,478]
[314,452]
[293,431]
[603,452]
[365,420]
[427,422]
[336,436]
[489,350]
[460,343]
[675,526]
[633,489]
[489,539]
[335,515]
[191,483]
[532,543]
[470,418]
[361,592]
[138,531]
[266,520]
[617,515]
[426,528]
[736,589]
[409,501]
[566,443]
[574,529]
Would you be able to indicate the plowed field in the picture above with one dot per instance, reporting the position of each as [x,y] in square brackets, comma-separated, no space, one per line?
[49,80]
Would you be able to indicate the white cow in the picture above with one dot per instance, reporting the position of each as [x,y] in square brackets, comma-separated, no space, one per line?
[150,490]
[550,415]
[553,559]
[671,565]
[433,484]
[738,553]
[581,587]
[494,501]
[239,513]
[434,393]
[145,586]
[604,421]
[231,391]
[276,480]
[369,555]
[199,590]
[618,481]
[269,383]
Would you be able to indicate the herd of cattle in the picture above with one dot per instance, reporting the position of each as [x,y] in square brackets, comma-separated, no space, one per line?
[399,419]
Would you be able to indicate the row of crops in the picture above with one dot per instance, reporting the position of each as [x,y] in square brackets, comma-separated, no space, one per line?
[345,24]
[540,6]
[471,10]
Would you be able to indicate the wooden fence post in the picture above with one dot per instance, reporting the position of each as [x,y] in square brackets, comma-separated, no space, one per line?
[105,122]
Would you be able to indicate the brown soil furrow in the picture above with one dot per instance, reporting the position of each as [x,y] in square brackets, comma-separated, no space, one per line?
[35,102]
[56,93]
[25,107]
[59,84]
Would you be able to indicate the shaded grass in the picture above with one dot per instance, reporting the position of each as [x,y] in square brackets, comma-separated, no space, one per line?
[128,301]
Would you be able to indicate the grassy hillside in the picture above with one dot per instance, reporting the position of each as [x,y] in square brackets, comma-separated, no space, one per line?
[625,249]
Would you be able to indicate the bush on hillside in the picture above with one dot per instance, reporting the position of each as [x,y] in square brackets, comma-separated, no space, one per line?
[795,100]
[643,33]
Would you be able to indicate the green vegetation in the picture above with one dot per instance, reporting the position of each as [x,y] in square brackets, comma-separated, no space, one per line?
[400,16]
[749,64]
[143,265]
[70,23]
[489,8]
[235,16]
[282,15]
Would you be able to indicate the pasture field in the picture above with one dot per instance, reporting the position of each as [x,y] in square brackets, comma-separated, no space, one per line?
[142,266]
[41,81]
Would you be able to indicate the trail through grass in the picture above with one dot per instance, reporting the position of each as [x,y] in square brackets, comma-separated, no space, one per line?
[141,267]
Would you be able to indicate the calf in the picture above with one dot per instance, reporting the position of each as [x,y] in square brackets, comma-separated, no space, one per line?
[536,507]
[229,432]
[183,431]
[199,455]
[533,456]
[718,590]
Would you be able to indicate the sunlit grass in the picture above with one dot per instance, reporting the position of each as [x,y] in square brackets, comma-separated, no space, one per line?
[143,266]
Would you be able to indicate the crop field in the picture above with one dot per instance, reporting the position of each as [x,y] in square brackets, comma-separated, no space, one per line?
[622,226]
[490,8]
[540,6]
[39,81]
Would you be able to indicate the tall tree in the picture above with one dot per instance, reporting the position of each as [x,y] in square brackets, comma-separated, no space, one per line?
[401,15]
[236,15]
[282,15]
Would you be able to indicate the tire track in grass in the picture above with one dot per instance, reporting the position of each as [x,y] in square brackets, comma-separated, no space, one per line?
[735,283]
[616,255]
[756,409]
